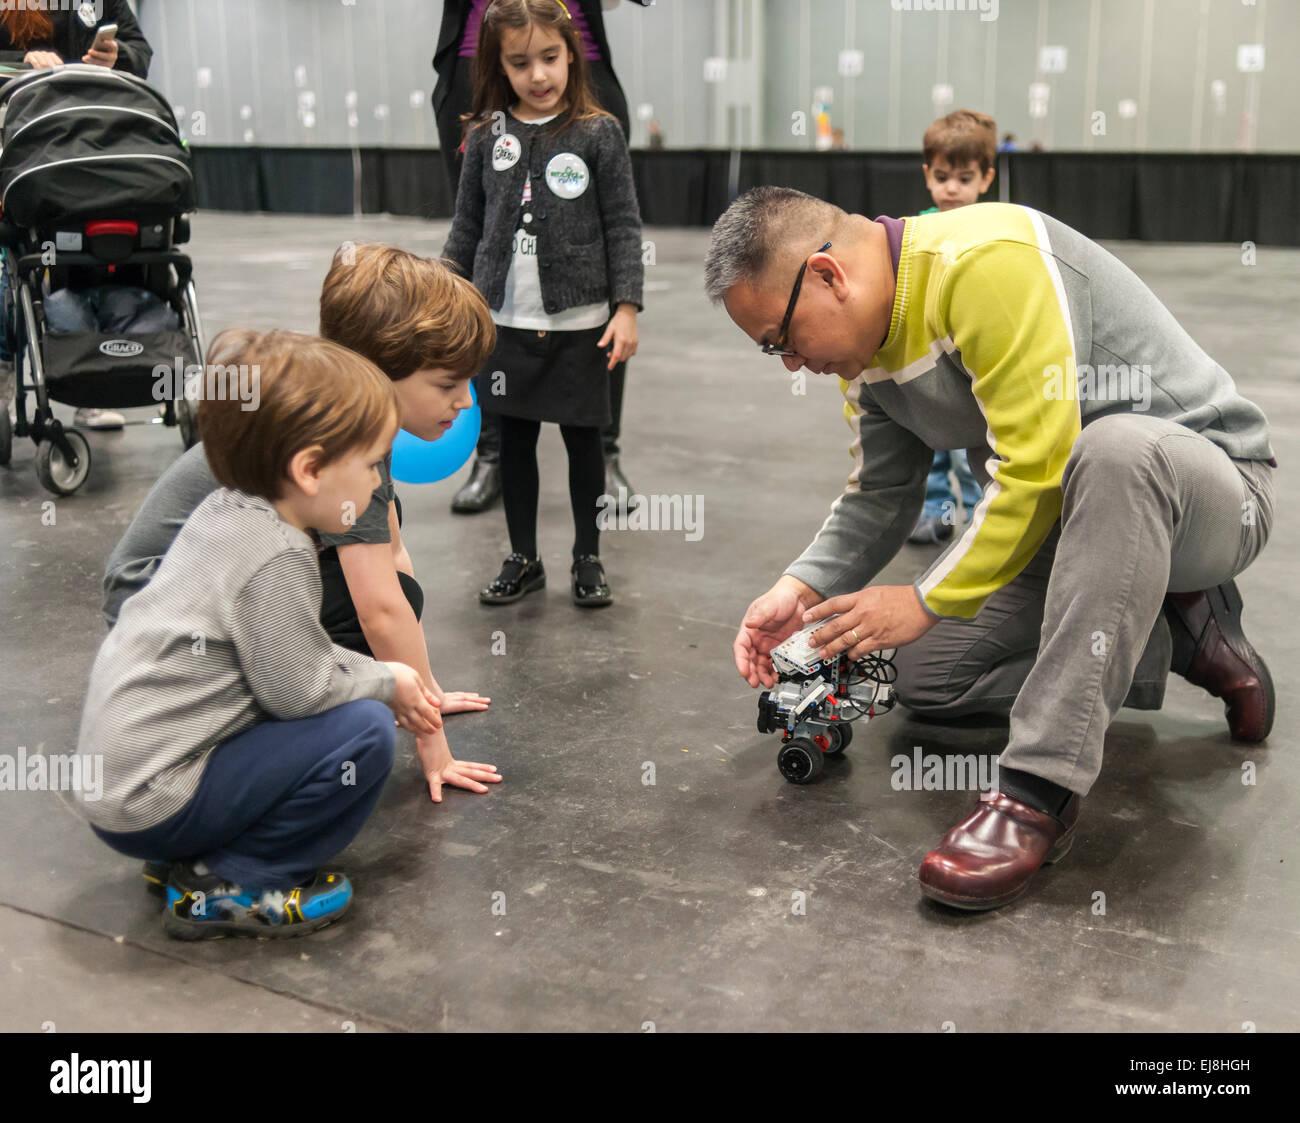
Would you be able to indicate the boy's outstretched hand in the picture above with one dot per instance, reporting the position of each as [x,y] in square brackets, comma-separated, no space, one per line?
[414,704]
[440,768]
[463,701]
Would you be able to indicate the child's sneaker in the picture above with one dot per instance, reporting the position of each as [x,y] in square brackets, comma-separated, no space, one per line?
[930,528]
[155,874]
[207,907]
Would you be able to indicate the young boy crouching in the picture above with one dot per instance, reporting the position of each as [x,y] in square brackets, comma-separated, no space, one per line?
[238,742]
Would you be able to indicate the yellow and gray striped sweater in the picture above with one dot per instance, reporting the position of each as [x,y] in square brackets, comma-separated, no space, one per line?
[1010,331]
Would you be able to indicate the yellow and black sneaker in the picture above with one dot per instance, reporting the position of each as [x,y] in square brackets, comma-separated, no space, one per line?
[208,907]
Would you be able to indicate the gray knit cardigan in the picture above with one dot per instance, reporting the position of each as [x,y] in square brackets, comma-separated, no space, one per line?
[585,214]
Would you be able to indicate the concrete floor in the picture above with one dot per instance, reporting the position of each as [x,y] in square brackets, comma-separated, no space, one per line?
[627,904]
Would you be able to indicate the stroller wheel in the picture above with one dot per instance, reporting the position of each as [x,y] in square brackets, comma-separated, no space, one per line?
[53,469]
[187,419]
[6,434]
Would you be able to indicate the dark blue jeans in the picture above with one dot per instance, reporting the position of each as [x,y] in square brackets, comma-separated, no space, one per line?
[280,800]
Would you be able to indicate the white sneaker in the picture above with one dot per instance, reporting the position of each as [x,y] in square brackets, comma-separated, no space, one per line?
[98,419]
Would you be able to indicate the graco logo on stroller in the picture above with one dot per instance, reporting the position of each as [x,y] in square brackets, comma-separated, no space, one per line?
[121,348]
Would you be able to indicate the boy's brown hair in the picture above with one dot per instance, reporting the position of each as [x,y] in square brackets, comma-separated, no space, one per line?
[961,137]
[309,391]
[405,313]
[493,92]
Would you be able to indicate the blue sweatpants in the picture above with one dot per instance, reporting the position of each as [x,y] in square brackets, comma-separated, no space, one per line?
[279,800]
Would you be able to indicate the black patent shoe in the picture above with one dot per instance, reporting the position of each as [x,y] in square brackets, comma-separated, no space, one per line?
[481,490]
[589,586]
[517,578]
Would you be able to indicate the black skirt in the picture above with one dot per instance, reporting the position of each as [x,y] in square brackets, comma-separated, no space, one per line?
[557,376]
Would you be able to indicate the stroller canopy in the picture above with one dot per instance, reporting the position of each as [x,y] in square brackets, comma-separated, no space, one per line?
[85,141]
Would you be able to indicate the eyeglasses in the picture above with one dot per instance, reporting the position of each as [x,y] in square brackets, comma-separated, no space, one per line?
[779,347]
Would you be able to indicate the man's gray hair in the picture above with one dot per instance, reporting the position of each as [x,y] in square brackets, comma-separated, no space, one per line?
[760,230]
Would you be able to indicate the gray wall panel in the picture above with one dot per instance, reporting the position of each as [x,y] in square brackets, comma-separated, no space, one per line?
[382,49]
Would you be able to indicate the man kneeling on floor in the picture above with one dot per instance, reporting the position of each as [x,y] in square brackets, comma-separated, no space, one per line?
[1126,482]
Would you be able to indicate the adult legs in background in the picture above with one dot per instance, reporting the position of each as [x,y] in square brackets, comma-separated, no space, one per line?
[611,97]
[483,487]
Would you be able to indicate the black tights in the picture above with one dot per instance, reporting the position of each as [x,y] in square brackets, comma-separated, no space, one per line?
[519,483]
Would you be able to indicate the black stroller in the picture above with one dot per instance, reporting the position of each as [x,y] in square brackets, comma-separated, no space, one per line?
[95,183]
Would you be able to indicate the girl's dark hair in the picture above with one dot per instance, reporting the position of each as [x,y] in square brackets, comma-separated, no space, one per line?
[492,90]
[32,25]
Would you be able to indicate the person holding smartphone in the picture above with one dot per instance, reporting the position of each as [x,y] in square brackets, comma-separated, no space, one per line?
[44,38]
[105,33]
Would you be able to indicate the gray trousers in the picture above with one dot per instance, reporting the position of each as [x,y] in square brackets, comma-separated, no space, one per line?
[1149,507]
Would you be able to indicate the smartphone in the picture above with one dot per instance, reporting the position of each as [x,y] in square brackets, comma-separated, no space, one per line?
[104,36]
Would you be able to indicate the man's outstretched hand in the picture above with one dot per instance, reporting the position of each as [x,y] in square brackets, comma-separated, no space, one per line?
[876,618]
[773,617]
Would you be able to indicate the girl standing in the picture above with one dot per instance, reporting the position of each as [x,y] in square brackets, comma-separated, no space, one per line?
[547,225]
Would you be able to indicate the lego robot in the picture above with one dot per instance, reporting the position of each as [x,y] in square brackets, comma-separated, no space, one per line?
[815,703]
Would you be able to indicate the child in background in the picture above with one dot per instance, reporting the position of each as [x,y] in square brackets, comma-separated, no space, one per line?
[237,741]
[958,153]
[547,225]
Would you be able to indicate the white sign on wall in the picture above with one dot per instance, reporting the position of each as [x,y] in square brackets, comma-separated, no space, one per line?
[1128,108]
[1051,60]
[1039,93]
[850,63]
[715,69]
[1250,57]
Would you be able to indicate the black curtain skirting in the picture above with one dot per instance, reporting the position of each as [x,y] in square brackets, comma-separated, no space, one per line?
[1159,197]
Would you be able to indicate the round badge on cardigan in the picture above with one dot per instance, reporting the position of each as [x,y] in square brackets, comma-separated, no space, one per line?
[506,152]
[567,175]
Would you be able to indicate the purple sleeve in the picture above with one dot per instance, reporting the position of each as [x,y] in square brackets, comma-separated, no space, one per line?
[469,41]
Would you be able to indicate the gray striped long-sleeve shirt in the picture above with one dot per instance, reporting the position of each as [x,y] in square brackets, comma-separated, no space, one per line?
[227,634]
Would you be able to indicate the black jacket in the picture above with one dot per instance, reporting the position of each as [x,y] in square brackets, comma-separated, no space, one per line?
[456,12]
[72,38]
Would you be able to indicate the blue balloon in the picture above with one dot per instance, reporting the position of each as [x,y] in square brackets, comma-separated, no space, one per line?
[425,462]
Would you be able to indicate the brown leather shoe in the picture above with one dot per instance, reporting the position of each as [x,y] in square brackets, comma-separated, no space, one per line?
[1222,660]
[989,858]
